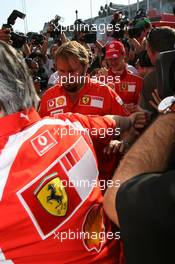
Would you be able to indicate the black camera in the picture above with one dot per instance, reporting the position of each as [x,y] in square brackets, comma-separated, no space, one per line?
[35,38]
[89,36]
[141,13]
[18,39]
[119,25]
[54,28]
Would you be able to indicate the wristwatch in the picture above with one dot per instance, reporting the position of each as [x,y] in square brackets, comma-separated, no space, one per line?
[167,105]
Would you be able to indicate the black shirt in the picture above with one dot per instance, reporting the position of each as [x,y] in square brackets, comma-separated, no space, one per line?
[149,85]
[146,210]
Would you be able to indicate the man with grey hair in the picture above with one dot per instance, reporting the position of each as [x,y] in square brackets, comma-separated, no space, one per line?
[40,216]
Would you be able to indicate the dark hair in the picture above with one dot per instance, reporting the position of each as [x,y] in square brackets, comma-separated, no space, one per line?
[126,44]
[144,60]
[161,39]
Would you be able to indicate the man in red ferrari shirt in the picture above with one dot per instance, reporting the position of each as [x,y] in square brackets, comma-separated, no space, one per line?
[127,85]
[77,93]
[44,218]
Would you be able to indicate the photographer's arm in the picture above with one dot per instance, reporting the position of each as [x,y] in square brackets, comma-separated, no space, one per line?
[150,153]
[63,38]
[45,46]
[26,50]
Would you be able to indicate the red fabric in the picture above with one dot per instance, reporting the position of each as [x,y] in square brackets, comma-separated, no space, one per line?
[128,86]
[93,93]
[37,162]
[93,98]
[115,49]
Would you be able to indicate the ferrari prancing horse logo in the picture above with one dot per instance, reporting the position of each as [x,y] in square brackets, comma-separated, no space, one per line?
[85,99]
[53,197]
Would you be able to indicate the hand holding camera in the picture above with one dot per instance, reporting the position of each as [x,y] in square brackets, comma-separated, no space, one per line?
[5,35]
[18,39]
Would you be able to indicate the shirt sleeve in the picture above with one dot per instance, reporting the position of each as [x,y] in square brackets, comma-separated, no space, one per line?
[101,129]
[117,105]
[43,106]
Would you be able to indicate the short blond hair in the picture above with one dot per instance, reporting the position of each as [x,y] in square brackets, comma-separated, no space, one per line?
[73,49]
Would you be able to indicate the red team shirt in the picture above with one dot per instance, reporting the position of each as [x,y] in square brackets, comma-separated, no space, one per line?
[94,98]
[128,86]
[34,208]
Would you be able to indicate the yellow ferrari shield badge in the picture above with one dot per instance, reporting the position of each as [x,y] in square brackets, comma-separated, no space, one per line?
[124,86]
[53,197]
[85,99]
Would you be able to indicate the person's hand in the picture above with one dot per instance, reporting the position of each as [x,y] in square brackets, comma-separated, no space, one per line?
[5,35]
[132,108]
[102,72]
[113,147]
[128,138]
[139,119]
[156,99]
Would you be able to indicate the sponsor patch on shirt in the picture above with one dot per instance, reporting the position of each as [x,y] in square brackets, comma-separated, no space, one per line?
[94,224]
[90,100]
[56,102]
[127,87]
[131,87]
[43,143]
[56,113]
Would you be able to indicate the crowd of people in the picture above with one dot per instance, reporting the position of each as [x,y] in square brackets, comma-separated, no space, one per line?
[86,115]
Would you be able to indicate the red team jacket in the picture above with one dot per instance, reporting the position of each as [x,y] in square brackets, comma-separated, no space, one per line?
[36,209]
[93,99]
[128,86]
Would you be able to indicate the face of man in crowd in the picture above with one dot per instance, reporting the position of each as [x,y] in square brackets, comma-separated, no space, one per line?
[34,67]
[116,64]
[72,74]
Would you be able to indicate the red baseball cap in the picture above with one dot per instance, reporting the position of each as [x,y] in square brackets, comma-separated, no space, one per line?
[115,49]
